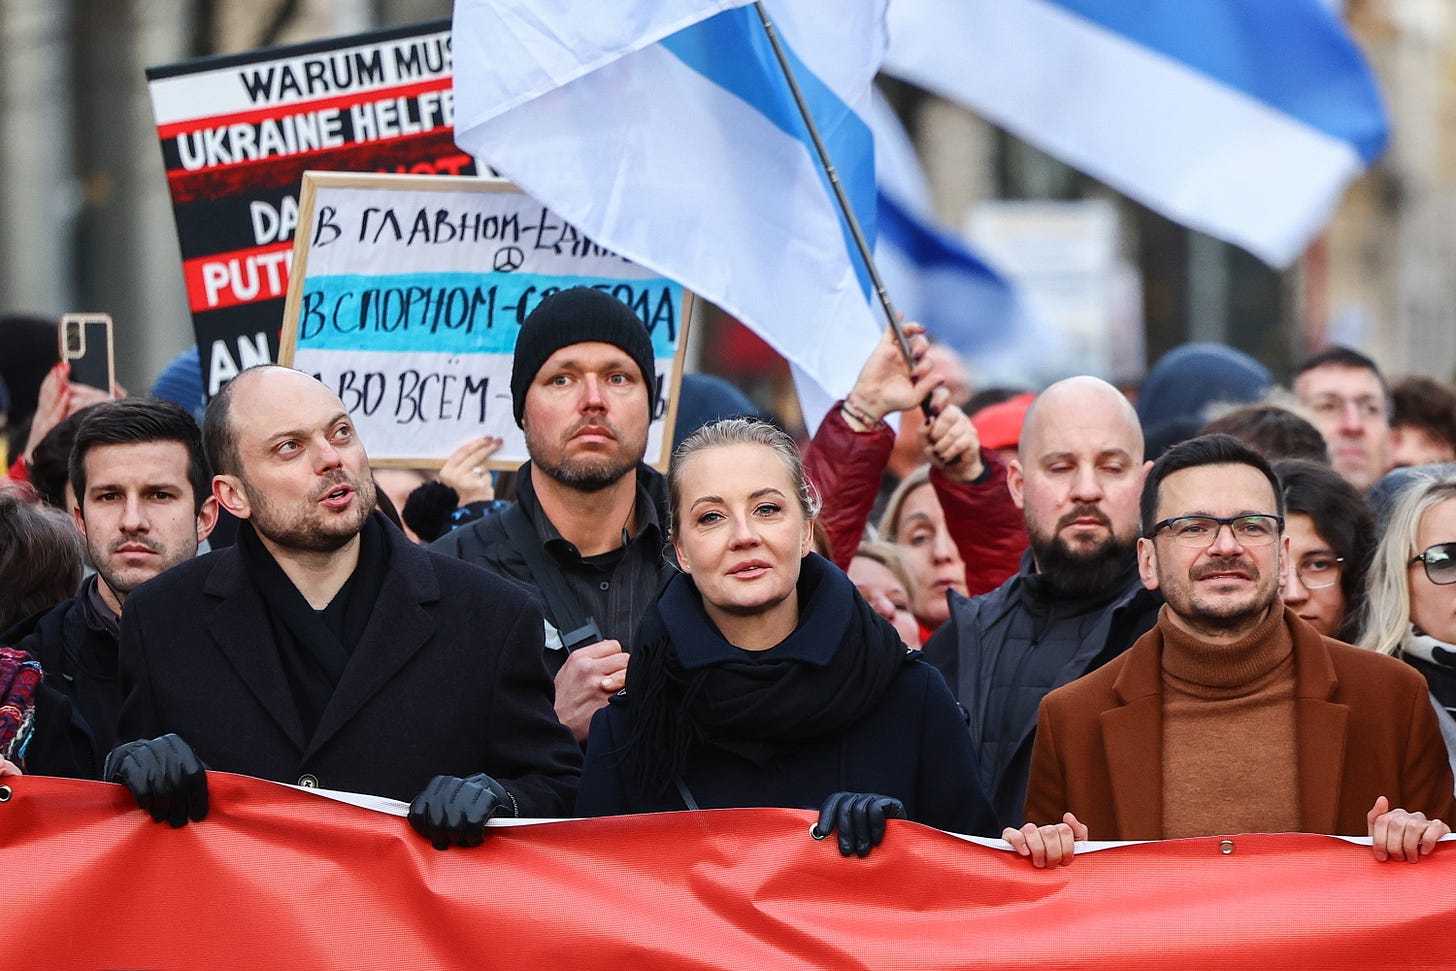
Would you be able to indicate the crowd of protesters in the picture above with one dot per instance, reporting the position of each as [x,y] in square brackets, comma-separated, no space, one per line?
[1048,615]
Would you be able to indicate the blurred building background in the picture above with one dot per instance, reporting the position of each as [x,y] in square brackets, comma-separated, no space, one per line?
[87,223]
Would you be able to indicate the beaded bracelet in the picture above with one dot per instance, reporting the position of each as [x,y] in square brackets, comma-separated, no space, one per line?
[860,415]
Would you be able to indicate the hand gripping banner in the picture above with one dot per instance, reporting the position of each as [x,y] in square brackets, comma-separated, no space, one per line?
[279,878]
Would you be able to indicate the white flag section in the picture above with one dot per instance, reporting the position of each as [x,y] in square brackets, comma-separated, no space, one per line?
[688,155]
[1244,119]
[507,52]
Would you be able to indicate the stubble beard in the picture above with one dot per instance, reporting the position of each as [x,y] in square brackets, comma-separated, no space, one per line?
[310,532]
[583,474]
[115,580]
[1220,619]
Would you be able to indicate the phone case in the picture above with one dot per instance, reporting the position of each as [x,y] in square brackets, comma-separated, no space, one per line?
[86,344]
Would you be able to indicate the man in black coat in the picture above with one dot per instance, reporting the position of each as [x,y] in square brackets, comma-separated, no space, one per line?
[324,649]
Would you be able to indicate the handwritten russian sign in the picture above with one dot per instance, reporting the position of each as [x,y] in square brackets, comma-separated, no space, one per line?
[408,294]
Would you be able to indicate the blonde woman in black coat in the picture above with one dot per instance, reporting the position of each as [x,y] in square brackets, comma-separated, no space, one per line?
[760,677]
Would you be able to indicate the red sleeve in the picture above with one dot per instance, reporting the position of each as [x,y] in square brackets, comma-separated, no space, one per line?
[845,467]
[19,471]
[985,523]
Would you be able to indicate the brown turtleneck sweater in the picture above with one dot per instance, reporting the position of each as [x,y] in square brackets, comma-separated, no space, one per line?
[1229,759]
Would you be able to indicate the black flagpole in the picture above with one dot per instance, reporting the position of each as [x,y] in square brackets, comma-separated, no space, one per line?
[844,207]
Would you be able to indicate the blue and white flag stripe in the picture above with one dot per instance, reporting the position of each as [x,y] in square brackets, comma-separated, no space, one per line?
[1243,120]
[681,156]
[1310,69]
[980,311]
[721,48]
[938,280]
[506,53]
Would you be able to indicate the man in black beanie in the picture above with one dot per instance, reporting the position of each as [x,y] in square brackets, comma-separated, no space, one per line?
[587,530]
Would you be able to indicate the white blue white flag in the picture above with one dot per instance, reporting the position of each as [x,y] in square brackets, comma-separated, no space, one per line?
[936,279]
[1245,119]
[684,151]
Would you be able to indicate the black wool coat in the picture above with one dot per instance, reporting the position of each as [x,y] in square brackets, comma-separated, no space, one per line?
[447,680]
[912,745]
[75,709]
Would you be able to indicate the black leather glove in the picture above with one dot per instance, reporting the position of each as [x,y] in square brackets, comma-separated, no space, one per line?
[452,811]
[859,817]
[164,776]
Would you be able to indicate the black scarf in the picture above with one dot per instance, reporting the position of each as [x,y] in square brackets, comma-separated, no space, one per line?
[314,646]
[1436,661]
[818,682]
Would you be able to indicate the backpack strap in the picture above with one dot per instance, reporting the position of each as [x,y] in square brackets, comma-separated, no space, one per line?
[577,629]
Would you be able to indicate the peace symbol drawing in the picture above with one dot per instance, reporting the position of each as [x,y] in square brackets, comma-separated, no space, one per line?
[509,258]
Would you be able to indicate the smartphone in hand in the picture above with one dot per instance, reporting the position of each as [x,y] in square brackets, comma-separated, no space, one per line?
[86,345]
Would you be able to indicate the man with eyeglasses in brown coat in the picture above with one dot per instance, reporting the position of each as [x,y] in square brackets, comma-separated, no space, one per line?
[1232,715]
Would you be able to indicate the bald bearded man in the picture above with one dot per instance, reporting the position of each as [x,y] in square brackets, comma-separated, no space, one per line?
[1075,603]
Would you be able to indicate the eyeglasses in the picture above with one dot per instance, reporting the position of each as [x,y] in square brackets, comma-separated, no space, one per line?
[1440,563]
[1319,572]
[1200,532]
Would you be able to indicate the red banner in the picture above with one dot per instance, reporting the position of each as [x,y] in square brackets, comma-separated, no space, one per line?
[277,878]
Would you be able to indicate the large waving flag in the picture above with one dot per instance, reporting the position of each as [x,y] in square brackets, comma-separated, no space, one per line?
[664,129]
[1245,119]
[936,279]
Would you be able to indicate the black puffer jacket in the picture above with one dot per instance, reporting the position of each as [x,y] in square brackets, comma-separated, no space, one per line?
[998,631]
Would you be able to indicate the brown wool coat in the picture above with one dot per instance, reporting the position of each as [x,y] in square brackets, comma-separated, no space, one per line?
[1363,723]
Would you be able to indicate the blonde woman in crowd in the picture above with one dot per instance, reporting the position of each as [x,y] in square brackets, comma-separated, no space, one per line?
[1410,608]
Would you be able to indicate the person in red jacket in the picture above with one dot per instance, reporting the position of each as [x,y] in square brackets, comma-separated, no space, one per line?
[852,447]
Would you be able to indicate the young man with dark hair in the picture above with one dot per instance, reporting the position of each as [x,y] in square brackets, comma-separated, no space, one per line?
[1233,715]
[143,505]
[1351,405]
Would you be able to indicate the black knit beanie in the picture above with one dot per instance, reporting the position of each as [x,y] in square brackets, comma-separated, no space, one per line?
[577,316]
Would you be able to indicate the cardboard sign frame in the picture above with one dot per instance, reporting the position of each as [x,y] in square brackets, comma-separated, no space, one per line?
[513,453]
